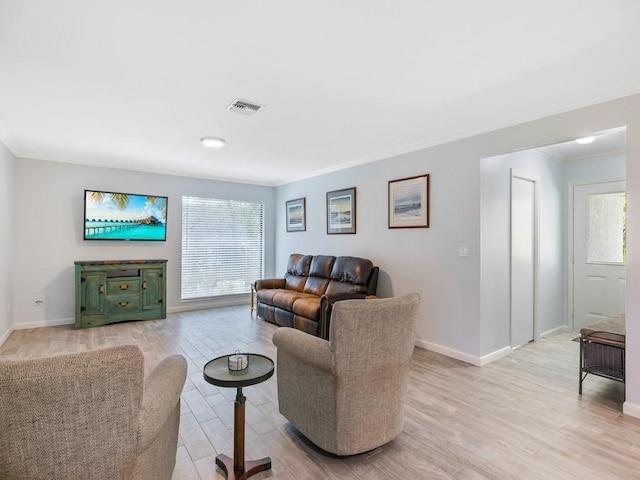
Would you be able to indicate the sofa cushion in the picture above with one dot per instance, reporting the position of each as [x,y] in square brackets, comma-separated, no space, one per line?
[308,307]
[319,274]
[265,295]
[351,270]
[294,282]
[297,272]
[285,298]
[316,285]
[349,275]
[299,264]
[321,266]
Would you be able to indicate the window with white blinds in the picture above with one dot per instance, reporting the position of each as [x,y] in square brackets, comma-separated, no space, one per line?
[222,246]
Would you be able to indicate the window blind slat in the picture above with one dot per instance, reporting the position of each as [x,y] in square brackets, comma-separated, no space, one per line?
[222,246]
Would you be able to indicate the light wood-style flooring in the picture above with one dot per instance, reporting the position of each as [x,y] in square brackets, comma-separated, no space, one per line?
[517,418]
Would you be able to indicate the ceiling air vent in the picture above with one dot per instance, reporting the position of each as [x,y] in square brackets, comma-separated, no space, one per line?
[244,107]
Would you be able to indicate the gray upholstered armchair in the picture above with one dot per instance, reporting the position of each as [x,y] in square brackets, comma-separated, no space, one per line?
[347,394]
[90,415]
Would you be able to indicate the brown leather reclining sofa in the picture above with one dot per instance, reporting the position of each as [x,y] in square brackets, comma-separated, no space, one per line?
[304,297]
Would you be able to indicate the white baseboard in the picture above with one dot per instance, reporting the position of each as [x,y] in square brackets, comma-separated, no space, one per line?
[554,331]
[497,355]
[223,302]
[44,323]
[631,409]
[465,357]
[449,352]
[182,308]
[227,302]
[484,359]
[6,335]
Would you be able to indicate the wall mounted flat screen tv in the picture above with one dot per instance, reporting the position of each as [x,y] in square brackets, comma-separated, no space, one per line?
[124,216]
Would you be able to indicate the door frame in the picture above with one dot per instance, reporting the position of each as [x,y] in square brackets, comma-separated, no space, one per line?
[570,250]
[535,179]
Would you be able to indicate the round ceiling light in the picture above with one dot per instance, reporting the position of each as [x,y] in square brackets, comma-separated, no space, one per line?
[213,142]
[585,140]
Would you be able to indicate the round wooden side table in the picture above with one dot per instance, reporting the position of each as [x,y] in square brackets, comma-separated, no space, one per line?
[217,372]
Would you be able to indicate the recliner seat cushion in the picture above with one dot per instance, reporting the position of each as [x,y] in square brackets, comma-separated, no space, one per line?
[265,295]
[285,298]
[305,304]
[308,307]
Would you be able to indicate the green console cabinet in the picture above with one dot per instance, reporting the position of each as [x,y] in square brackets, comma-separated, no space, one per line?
[120,290]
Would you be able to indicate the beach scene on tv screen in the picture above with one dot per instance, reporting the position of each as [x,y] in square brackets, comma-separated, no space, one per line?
[121,216]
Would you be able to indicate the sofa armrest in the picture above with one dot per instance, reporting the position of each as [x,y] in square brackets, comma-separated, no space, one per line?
[326,305]
[162,389]
[308,349]
[269,283]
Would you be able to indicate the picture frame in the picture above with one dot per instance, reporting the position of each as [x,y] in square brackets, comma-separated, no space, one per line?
[296,215]
[409,202]
[341,211]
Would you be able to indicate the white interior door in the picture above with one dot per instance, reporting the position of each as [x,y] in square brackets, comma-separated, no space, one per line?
[599,256]
[523,258]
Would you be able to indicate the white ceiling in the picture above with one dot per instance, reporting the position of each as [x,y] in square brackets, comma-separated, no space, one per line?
[613,141]
[135,83]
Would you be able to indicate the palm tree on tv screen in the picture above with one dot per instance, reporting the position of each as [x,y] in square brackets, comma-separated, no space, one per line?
[121,200]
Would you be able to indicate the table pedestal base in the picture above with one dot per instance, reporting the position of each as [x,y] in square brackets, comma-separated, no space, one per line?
[258,369]
[251,467]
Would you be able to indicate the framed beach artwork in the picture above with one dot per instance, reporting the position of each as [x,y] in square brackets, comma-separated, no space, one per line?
[341,211]
[296,215]
[409,202]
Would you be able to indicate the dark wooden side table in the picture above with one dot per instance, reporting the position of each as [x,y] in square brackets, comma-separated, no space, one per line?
[217,373]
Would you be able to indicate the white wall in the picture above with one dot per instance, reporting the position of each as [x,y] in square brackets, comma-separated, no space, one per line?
[48,231]
[496,244]
[427,261]
[612,167]
[7,163]
[417,259]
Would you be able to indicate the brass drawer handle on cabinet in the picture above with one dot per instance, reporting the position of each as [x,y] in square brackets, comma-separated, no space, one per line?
[123,304]
[101,288]
[123,286]
[144,284]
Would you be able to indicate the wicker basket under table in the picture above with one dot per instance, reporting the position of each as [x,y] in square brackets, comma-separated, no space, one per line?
[602,349]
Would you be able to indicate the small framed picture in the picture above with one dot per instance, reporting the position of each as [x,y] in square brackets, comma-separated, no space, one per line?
[296,215]
[341,211]
[409,202]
